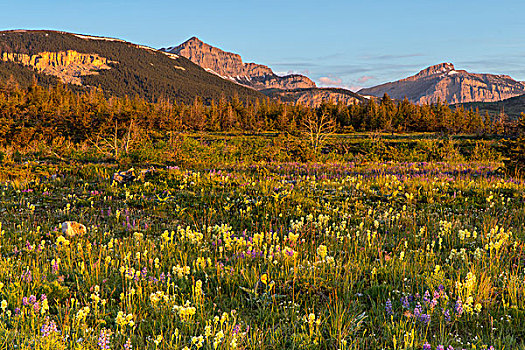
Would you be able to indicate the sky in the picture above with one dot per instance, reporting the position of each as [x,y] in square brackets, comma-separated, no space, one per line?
[351,44]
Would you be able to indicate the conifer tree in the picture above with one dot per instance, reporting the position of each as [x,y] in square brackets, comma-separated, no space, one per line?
[517,148]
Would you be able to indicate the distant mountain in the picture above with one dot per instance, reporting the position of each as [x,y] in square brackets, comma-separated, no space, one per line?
[118,67]
[443,82]
[512,107]
[291,88]
[230,66]
[312,97]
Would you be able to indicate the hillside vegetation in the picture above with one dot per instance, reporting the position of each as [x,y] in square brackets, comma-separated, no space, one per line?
[140,71]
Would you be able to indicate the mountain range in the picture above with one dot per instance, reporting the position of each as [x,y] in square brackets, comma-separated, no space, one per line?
[228,65]
[442,82]
[195,69]
[116,66]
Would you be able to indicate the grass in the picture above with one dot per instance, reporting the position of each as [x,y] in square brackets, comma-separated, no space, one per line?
[269,254]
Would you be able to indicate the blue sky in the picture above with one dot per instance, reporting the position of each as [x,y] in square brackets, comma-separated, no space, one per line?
[336,43]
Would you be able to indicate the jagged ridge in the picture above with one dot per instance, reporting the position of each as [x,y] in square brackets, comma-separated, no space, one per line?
[313,97]
[291,88]
[443,82]
[229,65]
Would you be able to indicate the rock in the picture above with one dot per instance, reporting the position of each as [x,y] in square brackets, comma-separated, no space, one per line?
[315,96]
[290,88]
[443,82]
[73,228]
[230,66]
[68,65]
[123,177]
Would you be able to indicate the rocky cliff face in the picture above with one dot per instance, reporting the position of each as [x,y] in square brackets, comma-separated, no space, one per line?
[313,97]
[230,66]
[69,66]
[443,82]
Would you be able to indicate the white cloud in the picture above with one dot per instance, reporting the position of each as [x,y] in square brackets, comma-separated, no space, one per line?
[330,81]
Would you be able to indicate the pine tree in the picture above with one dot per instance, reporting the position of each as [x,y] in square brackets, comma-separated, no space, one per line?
[516,160]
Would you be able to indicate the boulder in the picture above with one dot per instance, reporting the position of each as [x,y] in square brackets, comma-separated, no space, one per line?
[123,177]
[73,228]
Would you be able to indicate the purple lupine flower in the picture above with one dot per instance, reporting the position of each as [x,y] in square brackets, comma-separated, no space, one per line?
[55,267]
[405,303]
[53,327]
[446,313]
[32,299]
[388,307]
[27,276]
[417,310]
[36,307]
[426,297]
[17,311]
[450,347]
[48,327]
[459,307]
[427,346]
[425,318]
[45,330]
[440,347]
[25,301]
[236,329]
[104,338]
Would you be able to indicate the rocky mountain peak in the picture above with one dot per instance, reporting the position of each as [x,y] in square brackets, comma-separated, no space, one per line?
[442,82]
[436,69]
[230,66]
[194,39]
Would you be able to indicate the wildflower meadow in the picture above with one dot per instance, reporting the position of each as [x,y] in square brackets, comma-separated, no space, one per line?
[327,253]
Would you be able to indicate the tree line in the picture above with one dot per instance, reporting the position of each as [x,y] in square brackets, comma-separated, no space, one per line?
[41,113]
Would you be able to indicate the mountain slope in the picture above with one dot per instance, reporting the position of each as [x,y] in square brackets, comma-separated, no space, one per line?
[230,66]
[290,88]
[118,67]
[513,106]
[312,97]
[443,82]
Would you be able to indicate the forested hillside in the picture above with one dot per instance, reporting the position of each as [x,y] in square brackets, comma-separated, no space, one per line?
[136,70]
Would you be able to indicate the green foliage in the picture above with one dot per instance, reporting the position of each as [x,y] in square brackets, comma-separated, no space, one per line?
[516,148]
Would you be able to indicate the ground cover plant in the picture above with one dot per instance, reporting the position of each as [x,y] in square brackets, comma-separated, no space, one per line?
[341,251]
